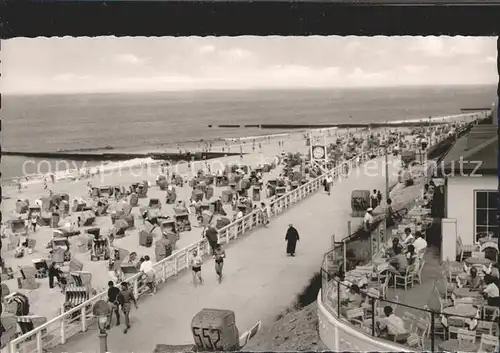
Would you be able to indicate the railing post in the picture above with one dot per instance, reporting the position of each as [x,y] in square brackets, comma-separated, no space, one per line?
[176,266]
[226,234]
[63,330]
[235,227]
[373,317]
[163,272]
[12,347]
[135,288]
[338,299]
[433,318]
[83,317]
[39,342]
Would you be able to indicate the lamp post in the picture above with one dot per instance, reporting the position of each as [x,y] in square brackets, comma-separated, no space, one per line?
[101,311]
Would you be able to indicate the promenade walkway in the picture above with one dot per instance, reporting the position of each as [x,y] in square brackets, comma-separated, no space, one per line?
[259,279]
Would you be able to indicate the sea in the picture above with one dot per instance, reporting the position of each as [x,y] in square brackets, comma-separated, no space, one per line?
[128,122]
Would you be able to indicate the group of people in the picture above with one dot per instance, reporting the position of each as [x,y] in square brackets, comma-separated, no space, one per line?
[196,262]
[407,252]
[488,286]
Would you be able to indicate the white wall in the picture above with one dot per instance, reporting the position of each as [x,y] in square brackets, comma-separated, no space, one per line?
[460,202]
[340,336]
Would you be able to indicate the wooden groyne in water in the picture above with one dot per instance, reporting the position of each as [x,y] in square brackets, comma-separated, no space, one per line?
[120,156]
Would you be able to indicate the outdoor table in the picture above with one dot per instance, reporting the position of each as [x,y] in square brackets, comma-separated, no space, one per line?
[467,292]
[477,261]
[452,346]
[461,310]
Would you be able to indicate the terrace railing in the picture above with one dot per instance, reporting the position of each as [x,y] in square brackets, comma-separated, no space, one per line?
[78,319]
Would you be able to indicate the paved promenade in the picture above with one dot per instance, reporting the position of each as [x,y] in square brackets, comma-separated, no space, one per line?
[259,279]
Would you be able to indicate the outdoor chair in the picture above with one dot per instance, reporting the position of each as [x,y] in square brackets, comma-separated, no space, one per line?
[485,327]
[466,337]
[452,269]
[356,316]
[465,248]
[489,343]
[405,280]
[409,320]
[478,254]
[439,328]
[372,294]
[443,303]
[418,335]
[417,275]
[492,311]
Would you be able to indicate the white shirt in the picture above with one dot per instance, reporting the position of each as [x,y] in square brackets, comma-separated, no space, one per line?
[409,239]
[368,218]
[395,325]
[492,290]
[146,266]
[419,244]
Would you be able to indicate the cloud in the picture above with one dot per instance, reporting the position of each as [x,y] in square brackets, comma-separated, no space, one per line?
[207,49]
[430,46]
[414,69]
[235,54]
[490,59]
[242,62]
[129,59]
[359,76]
[67,77]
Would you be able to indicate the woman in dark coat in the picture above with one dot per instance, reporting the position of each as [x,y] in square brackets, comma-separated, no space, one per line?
[292,237]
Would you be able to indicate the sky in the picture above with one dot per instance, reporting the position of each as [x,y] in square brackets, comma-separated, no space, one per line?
[135,64]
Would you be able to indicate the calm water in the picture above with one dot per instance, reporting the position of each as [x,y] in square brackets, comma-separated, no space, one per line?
[145,120]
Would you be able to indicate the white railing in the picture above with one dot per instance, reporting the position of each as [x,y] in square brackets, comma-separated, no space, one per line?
[78,319]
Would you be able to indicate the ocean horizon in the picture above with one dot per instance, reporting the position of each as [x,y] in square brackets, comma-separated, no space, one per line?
[141,121]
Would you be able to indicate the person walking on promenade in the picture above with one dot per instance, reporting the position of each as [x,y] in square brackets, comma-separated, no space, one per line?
[291,238]
[125,299]
[264,214]
[212,237]
[148,271]
[196,263]
[113,297]
[328,184]
[219,256]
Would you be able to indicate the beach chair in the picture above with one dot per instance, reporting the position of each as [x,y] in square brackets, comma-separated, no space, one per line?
[154,203]
[17,304]
[9,323]
[28,278]
[75,265]
[41,267]
[26,323]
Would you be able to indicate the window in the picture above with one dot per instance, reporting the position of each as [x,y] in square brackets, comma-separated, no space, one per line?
[486,212]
